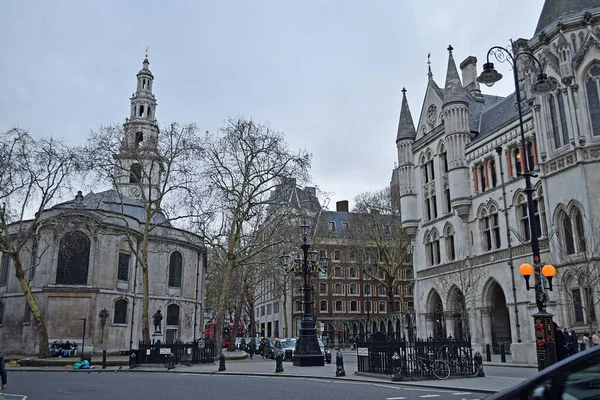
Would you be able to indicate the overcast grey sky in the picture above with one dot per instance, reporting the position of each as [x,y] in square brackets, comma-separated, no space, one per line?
[327,73]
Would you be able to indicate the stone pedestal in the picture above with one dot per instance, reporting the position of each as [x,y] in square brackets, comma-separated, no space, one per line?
[158,336]
[308,353]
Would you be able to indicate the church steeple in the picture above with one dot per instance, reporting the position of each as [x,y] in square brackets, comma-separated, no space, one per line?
[406,126]
[138,170]
[453,90]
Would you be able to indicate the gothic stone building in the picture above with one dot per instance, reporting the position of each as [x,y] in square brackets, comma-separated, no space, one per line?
[85,264]
[461,190]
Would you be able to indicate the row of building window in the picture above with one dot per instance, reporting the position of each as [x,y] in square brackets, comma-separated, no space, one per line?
[355,306]
[354,289]
[271,308]
[73,263]
[346,226]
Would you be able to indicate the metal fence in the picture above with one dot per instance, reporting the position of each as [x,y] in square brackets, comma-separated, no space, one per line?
[375,356]
[199,352]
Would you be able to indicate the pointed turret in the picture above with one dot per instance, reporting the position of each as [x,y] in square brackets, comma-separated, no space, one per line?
[453,90]
[406,126]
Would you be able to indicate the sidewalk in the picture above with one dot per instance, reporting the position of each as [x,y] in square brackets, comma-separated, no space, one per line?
[328,372]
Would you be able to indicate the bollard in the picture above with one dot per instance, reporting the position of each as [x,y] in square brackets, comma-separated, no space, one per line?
[397,376]
[478,361]
[132,360]
[502,354]
[222,363]
[171,361]
[488,353]
[339,363]
[288,355]
[279,362]
[103,359]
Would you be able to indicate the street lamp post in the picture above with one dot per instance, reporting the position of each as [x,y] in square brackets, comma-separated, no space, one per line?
[103,316]
[83,338]
[544,329]
[367,269]
[307,353]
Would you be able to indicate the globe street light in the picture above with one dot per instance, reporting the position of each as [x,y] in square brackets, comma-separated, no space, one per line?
[546,348]
[307,353]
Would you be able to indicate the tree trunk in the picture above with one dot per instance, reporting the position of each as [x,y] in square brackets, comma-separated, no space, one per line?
[236,323]
[221,309]
[44,347]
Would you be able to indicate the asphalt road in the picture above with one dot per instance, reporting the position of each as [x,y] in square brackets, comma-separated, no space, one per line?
[181,386]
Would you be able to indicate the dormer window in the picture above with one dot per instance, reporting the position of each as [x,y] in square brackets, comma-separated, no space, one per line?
[331,226]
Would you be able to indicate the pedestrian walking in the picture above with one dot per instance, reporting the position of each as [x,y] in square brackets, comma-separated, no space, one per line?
[2,372]
[572,342]
[596,338]
[587,341]
[251,348]
[561,348]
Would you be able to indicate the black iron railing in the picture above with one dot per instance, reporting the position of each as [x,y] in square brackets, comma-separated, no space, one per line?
[199,352]
[376,356]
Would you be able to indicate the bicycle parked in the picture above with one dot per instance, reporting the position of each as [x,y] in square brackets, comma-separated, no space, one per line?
[459,360]
[418,366]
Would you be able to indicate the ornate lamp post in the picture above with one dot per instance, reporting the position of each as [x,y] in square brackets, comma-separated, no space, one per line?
[367,270]
[544,329]
[308,352]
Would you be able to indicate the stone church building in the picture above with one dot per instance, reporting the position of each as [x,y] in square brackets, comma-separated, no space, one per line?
[86,268]
[461,189]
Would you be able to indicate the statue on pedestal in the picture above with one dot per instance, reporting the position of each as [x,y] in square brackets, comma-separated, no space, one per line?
[157,321]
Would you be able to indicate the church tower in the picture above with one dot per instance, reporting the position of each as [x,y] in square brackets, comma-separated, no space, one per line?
[138,165]
[404,174]
[456,124]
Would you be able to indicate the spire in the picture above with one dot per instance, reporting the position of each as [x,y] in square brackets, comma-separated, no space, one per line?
[406,127]
[429,73]
[453,90]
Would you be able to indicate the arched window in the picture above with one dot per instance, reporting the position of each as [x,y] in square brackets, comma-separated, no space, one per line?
[382,307]
[522,213]
[173,314]
[322,288]
[448,203]
[490,227]
[540,213]
[120,312]
[175,269]
[434,204]
[450,249]
[409,274]
[352,272]
[354,306]
[558,119]
[592,88]
[73,259]
[429,249]
[352,289]
[517,159]
[367,289]
[492,172]
[142,110]
[339,305]
[580,231]
[482,172]
[435,238]
[323,305]
[337,272]
[135,173]
[337,255]
[565,225]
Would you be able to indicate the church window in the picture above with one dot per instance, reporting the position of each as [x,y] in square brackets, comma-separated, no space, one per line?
[427,209]
[581,247]
[490,227]
[139,138]
[495,227]
[481,171]
[434,206]
[135,173]
[4,266]
[568,241]
[572,231]
[431,170]
[123,267]
[429,249]
[558,119]
[444,157]
[448,208]
[172,314]
[435,248]
[592,87]
[175,269]
[142,110]
[120,313]
[450,247]
[73,259]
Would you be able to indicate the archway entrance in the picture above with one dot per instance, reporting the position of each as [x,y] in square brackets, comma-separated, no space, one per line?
[500,319]
[436,315]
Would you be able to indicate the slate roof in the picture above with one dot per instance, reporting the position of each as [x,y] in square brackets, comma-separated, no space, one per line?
[332,216]
[110,201]
[406,126]
[293,196]
[555,9]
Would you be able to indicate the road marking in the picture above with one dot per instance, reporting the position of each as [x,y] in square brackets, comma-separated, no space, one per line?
[460,393]
[387,386]
[426,390]
[430,395]
[13,396]
[395,398]
[318,380]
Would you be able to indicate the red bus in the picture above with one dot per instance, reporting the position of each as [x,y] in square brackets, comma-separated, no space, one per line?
[209,332]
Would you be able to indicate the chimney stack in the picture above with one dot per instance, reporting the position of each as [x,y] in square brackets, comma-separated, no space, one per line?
[341,206]
[469,77]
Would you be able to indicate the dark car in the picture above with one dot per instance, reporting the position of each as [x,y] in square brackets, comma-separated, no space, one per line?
[574,378]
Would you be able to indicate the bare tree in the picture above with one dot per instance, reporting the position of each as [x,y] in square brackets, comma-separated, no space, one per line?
[377,236]
[242,165]
[161,172]
[34,174]
[578,267]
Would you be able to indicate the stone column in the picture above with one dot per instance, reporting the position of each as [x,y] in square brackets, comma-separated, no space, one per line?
[486,324]
[450,324]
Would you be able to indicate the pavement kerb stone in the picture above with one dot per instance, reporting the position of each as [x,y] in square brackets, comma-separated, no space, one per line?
[513,365]
[360,378]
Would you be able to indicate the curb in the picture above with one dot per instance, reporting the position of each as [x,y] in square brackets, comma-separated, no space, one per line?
[277,375]
[501,364]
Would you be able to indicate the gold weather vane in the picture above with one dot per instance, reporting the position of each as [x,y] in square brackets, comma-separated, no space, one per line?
[147,51]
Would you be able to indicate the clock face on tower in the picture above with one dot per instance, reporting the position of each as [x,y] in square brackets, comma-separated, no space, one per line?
[134,191]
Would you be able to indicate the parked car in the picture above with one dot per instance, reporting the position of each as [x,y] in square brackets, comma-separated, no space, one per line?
[576,377]
[326,352]
[267,348]
[281,345]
